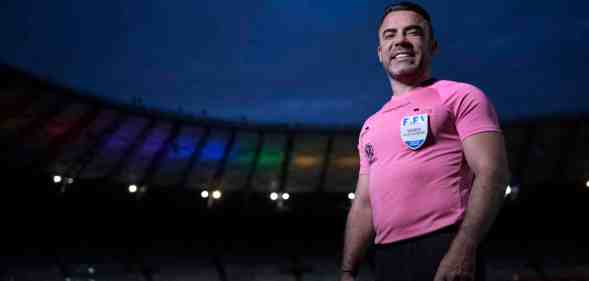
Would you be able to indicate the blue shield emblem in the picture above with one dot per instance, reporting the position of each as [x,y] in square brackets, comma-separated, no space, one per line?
[414,130]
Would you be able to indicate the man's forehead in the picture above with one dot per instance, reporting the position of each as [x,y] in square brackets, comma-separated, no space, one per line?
[399,19]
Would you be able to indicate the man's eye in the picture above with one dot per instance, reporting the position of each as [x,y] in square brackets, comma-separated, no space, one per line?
[414,32]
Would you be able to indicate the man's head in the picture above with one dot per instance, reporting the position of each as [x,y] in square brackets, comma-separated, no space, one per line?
[406,41]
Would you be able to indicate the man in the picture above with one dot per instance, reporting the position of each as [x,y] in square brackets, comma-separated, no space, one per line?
[433,168]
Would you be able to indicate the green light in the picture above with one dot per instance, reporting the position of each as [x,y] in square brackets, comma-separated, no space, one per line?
[267,159]
[270,159]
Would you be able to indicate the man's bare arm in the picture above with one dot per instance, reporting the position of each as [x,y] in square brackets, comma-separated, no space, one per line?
[359,230]
[486,156]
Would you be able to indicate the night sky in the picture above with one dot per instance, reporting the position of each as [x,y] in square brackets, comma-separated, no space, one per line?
[307,62]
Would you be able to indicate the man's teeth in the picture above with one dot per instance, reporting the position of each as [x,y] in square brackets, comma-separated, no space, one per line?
[402,56]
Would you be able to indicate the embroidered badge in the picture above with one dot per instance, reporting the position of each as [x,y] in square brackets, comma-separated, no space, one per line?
[414,130]
[369,150]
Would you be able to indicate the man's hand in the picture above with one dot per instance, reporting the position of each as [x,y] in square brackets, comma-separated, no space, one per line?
[359,231]
[347,276]
[486,156]
[459,264]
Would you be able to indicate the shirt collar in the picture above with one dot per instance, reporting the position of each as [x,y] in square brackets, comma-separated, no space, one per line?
[396,102]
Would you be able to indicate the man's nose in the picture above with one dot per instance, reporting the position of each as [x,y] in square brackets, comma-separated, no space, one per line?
[400,40]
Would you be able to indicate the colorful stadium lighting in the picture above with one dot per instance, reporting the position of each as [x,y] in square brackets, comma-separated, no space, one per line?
[273,196]
[508,190]
[57,179]
[204,194]
[132,188]
[217,194]
[351,196]
[285,196]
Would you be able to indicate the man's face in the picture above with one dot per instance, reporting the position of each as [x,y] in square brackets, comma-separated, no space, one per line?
[405,44]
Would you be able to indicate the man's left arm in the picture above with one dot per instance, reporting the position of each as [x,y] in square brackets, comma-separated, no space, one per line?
[486,156]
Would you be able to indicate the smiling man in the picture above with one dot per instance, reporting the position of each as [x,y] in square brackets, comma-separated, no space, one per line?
[433,168]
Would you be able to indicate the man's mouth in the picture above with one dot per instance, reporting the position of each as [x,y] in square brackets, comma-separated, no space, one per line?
[403,55]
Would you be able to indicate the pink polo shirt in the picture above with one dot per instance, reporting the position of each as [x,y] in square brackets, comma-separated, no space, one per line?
[414,192]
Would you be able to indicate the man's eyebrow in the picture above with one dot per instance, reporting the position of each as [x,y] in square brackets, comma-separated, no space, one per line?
[414,26]
[409,27]
[389,30]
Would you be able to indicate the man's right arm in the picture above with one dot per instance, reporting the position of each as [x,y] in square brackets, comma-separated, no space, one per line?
[359,230]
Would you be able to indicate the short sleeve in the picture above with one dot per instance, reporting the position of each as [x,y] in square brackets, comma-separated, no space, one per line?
[364,166]
[474,113]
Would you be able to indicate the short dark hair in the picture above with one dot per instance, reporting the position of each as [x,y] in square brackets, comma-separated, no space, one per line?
[407,6]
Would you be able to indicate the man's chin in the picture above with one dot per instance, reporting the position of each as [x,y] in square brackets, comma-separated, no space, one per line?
[405,70]
[405,74]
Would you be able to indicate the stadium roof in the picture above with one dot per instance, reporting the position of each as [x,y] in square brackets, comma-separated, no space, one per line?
[54,130]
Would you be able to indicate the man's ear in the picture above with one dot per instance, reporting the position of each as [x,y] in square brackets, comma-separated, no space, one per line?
[435,47]
[379,52]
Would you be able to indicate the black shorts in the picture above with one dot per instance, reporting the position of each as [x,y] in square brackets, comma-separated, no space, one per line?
[417,259]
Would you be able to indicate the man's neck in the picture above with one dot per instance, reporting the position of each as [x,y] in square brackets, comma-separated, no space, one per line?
[402,86]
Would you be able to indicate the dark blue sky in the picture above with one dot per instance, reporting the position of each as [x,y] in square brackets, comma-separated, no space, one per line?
[310,62]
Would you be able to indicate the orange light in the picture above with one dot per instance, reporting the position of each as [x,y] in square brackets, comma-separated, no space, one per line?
[306,161]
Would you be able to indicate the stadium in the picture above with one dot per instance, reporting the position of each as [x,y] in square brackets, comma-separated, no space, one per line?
[106,184]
